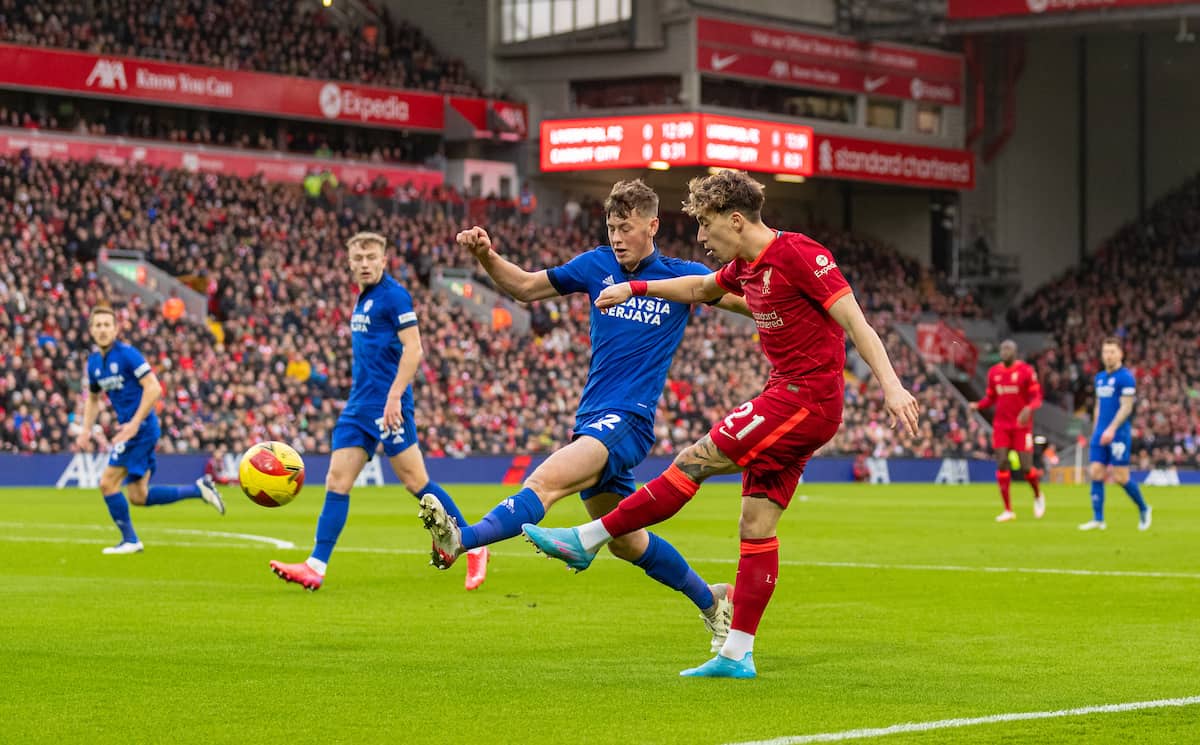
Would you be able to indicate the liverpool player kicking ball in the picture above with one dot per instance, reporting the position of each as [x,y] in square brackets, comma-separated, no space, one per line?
[803,309]
[1013,387]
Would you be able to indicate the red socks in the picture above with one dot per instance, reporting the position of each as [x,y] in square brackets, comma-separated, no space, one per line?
[656,501]
[1033,477]
[758,571]
[1004,479]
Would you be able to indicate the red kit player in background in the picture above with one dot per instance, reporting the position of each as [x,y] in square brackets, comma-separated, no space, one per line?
[804,310]
[1012,385]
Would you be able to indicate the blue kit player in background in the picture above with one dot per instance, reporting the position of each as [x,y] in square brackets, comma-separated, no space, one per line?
[632,348]
[1112,435]
[121,372]
[387,351]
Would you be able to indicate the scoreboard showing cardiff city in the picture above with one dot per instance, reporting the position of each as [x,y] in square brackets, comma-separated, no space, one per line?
[678,140]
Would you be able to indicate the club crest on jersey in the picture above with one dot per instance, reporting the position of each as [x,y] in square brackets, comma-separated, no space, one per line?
[766,290]
[113,367]
[1014,376]
[367,306]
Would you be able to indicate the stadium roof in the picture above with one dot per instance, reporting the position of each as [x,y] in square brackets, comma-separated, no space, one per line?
[927,21]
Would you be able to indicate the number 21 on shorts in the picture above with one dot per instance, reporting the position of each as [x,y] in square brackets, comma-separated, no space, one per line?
[734,422]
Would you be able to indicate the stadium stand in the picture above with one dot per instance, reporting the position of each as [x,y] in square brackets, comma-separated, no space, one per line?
[281,36]
[275,363]
[1142,285]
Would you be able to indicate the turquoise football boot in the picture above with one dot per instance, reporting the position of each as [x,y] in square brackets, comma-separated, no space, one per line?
[559,543]
[724,667]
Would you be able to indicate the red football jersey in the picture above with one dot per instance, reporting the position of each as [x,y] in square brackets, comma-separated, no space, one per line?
[789,289]
[1011,389]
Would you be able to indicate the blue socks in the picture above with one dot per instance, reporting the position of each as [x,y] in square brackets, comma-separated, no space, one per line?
[1135,493]
[1098,501]
[665,564]
[505,520]
[118,508]
[330,524]
[436,490]
[1131,488]
[168,494]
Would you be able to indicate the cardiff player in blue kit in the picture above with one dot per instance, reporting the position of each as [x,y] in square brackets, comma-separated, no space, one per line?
[632,348]
[387,351]
[121,372]
[1112,435]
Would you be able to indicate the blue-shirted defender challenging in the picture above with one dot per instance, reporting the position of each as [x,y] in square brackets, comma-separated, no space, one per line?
[632,347]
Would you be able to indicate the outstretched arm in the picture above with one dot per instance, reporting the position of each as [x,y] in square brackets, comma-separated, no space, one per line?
[522,285]
[899,402]
[692,288]
[734,304]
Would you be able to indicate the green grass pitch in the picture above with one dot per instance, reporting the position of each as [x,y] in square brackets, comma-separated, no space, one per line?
[895,604]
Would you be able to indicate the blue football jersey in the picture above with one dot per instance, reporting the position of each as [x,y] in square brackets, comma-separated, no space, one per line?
[1110,387]
[119,373]
[381,312]
[632,343]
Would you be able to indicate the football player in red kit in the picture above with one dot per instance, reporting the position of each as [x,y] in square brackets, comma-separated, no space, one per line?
[1012,386]
[803,309]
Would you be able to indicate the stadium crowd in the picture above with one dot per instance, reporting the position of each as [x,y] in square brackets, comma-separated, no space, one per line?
[275,361]
[1142,285]
[279,36]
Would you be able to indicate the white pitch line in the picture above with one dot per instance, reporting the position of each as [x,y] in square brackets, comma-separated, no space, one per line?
[107,542]
[989,570]
[283,544]
[276,542]
[895,729]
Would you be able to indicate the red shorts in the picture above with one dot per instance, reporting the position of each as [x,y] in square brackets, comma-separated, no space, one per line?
[1006,437]
[772,437]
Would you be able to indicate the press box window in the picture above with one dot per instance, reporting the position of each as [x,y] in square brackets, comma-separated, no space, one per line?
[883,114]
[929,119]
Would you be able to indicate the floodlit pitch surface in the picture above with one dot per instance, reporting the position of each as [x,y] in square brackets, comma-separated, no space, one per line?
[896,605]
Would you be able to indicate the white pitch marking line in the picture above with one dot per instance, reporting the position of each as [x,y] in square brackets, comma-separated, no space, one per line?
[282,544]
[276,542]
[987,570]
[104,542]
[895,729]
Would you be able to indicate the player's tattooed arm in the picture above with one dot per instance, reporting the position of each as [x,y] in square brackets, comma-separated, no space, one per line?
[702,460]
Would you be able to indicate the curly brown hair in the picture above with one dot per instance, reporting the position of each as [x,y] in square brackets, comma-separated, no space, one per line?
[628,197]
[723,192]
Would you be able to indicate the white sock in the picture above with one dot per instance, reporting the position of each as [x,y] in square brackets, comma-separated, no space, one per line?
[316,565]
[737,645]
[593,536]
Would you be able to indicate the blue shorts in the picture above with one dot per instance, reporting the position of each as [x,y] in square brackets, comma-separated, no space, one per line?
[360,430]
[1116,453]
[628,438]
[136,456]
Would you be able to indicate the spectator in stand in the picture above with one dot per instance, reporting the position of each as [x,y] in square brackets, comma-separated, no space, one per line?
[1152,312]
[286,37]
[264,253]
